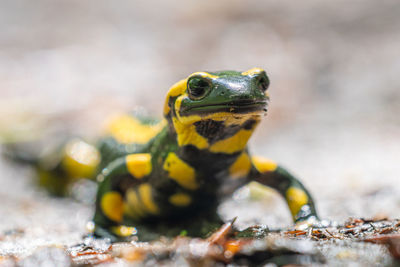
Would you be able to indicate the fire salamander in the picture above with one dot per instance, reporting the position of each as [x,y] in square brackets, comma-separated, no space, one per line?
[153,172]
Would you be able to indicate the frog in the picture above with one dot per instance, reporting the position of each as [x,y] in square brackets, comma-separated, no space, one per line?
[178,169]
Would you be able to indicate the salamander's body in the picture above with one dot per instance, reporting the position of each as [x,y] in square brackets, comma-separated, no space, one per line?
[152,172]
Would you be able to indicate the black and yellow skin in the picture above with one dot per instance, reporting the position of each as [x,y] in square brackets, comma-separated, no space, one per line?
[186,164]
[157,175]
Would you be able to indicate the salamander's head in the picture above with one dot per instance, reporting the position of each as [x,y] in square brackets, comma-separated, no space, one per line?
[217,105]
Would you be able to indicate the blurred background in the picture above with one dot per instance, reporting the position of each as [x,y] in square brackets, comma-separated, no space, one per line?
[335,95]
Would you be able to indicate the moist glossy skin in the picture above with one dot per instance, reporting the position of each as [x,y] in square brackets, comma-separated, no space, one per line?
[180,168]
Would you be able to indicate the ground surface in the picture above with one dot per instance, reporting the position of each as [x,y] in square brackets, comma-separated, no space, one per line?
[333,120]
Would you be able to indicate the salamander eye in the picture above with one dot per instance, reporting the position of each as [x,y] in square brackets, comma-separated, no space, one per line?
[198,87]
[263,82]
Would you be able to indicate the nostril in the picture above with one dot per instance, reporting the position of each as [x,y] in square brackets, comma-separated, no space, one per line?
[263,83]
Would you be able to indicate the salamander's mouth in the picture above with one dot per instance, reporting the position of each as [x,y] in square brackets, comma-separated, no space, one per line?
[237,107]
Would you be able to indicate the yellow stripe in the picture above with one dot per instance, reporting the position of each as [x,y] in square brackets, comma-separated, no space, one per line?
[186,131]
[232,144]
[296,198]
[187,135]
[147,198]
[139,165]
[179,88]
[252,71]
[180,199]
[264,165]
[241,167]
[112,206]
[180,171]
[175,90]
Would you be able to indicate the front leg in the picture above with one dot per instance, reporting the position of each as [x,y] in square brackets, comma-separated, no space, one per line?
[124,196]
[299,200]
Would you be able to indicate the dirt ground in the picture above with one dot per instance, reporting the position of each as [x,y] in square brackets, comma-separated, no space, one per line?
[333,119]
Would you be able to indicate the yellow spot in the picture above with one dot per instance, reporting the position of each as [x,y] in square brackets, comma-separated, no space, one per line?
[175,90]
[264,165]
[252,71]
[139,165]
[147,198]
[127,129]
[112,206]
[187,135]
[232,144]
[180,199]
[296,198]
[241,167]
[180,171]
[80,159]
[135,207]
[123,230]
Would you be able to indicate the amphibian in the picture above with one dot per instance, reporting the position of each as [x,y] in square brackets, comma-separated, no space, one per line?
[150,171]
